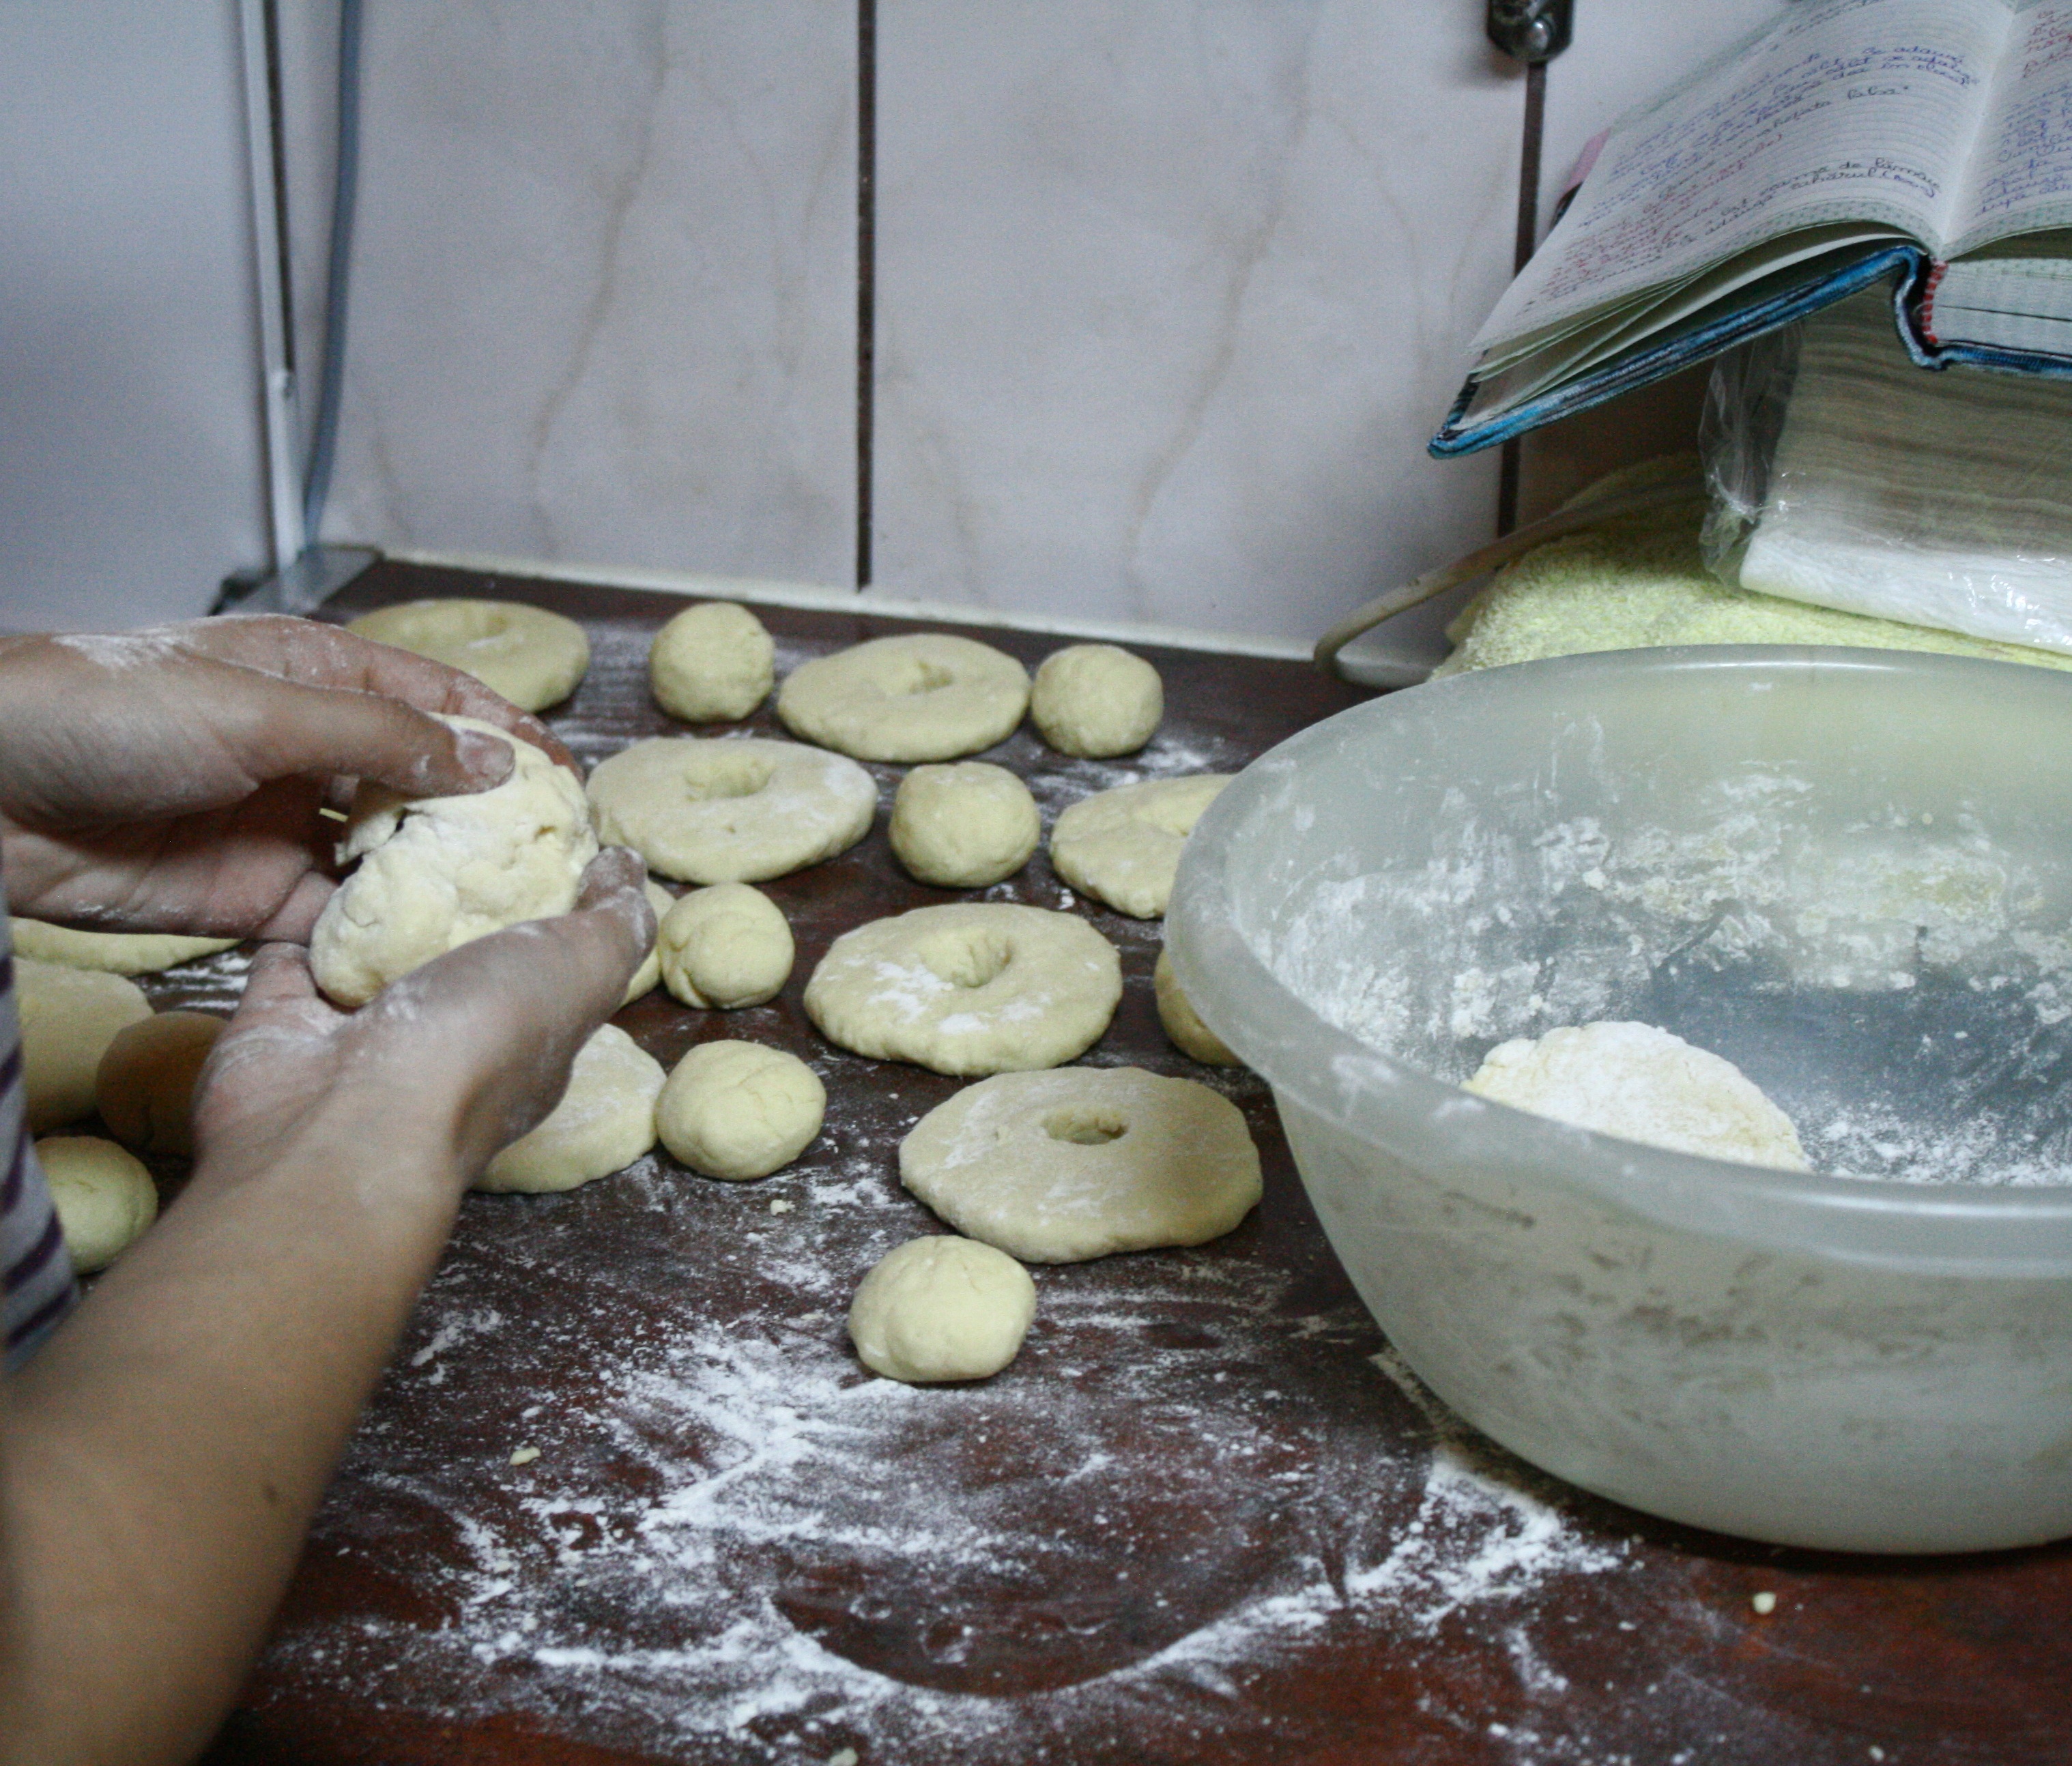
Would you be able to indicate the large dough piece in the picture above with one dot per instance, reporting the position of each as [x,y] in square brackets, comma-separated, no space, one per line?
[927,696]
[69,1016]
[972,987]
[119,953]
[1055,1167]
[1122,846]
[731,810]
[534,658]
[1642,1083]
[436,872]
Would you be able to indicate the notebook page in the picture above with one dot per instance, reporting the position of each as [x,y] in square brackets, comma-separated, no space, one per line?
[1845,110]
[2020,177]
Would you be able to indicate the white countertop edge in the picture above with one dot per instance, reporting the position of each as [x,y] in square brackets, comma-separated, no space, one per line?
[826,598]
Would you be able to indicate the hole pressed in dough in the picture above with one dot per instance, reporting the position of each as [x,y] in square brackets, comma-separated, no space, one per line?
[922,677]
[1085,1128]
[967,959]
[1174,818]
[727,775]
[466,625]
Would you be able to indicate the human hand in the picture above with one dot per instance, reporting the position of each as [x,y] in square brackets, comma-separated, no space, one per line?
[445,1067]
[173,779]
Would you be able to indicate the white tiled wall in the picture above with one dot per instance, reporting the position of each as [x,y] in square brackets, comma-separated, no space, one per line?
[1170,292]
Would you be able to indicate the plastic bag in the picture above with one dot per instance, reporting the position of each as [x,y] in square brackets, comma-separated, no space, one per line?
[1841,475]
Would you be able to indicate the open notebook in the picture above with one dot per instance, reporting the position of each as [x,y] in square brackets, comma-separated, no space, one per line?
[1852,141]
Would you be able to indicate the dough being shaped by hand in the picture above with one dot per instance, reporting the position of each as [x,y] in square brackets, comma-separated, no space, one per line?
[725,947]
[1056,1168]
[964,826]
[1096,700]
[104,1197]
[605,1121]
[969,988]
[1643,1084]
[942,1308]
[145,1085]
[737,1109]
[649,976]
[1122,846]
[119,953]
[68,1018]
[534,658]
[735,810]
[927,697]
[436,872]
[711,663]
[1191,1037]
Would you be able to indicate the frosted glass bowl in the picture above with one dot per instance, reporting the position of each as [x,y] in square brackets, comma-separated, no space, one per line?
[1848,871]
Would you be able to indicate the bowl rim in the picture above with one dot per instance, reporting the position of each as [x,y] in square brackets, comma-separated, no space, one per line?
[1211,956]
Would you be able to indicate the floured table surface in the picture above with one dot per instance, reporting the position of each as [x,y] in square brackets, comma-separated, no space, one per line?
[1205,1517]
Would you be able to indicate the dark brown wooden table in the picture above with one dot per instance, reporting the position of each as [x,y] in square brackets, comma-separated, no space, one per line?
[1204,1517]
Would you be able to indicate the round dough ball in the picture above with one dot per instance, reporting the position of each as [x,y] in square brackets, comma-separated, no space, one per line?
[534,658]
[1122,846]
[975,986]
[737,1109]
[964,826]
[104,1198]
[145,1085]
[1183,1024]
[712,662]
[435,871]
[605,1121]
[1056,1168]
[1096,700]
[725,947]
[1643,1084]
[942,1308]
[68,1018]
[119,953]
[927,696]
[649,975]
[739,810]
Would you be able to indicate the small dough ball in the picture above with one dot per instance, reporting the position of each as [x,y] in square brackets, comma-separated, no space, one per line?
[737,1109]
[733,810]
[711,663]
[942,1308]
[104,1198]
[1096,700]
[1183,1024]
[926,696]
[1123,847]
[725,947]
[69,1016]
[967,987]
[435,871]
[649,975]
[119,953]
[1642,1083]
[605,1121]
[964,826]
[145,1085]
[534,658]
[1059,1166]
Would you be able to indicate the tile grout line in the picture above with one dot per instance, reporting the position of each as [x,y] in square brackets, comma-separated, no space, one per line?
[866,271]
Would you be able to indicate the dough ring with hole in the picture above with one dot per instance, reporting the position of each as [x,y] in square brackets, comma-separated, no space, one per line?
[1059,1166]
[534,658]
[119,953]
[1122,846]
[927,696]
[972,987]
[736,810]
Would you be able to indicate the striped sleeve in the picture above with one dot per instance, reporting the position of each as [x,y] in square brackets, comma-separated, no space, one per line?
[36,1285]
